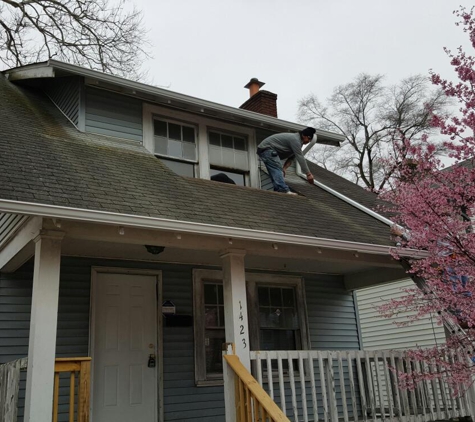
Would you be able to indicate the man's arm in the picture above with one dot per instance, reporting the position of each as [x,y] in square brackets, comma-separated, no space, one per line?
[297,150]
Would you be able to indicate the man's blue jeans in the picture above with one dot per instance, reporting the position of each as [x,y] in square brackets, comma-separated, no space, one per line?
[276,172]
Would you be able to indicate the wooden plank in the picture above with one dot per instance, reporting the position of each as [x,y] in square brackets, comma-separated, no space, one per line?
[426,396]
[259,368]
[359,371]
[313,387]
[387,380]
[342,386]
[331,388]
[55,397]
[303,388]
[412,393]
[270,381]
[349,362]
[404,393]
[280,370]
[369,378]
[394,386]
[67,367]
[323,387]
[292,388]
[435,391]
[255,389]
[248,404]
[380,384]
[84,391]
[72,381]
[241,407]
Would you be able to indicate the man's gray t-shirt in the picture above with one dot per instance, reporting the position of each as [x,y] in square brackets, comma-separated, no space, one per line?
[286,145]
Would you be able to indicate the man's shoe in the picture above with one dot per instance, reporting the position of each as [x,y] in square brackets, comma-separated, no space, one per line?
[291,193]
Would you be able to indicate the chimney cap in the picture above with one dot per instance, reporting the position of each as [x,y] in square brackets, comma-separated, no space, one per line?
[254,81]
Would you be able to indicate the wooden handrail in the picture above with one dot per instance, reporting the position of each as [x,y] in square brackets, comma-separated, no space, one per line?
[81,367]
[253,403]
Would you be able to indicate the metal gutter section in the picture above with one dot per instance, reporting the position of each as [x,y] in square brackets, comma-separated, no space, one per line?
[52,211]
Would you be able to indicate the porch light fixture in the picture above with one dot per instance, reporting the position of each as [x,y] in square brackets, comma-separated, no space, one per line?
[230,241]
[121,230]
[154,250]
[178,236]
[275,246]
[356,255]
[319,250]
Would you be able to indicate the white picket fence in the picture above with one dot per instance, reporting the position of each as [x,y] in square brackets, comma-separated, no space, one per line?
[353,385]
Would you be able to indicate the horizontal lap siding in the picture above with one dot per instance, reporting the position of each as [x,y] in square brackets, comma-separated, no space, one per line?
[382,333]
[112,114]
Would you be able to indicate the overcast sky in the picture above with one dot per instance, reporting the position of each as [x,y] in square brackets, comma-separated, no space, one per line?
[211,48]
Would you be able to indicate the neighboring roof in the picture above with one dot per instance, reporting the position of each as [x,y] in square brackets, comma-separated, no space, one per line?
[45,160]
[54,68]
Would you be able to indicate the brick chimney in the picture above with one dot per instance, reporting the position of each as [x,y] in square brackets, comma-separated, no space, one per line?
[260,101]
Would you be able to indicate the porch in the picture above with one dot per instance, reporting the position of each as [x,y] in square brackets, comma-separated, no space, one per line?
[338,386]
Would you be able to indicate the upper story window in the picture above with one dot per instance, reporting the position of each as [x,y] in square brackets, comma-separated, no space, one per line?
[228,151]
[178,142]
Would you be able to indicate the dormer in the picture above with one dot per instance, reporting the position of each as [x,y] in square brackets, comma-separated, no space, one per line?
[193,137]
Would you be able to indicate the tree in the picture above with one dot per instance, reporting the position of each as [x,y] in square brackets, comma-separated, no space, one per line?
[436,207]
[370,115]
[95,34]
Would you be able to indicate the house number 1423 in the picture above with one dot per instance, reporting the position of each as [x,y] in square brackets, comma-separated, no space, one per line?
[242,332]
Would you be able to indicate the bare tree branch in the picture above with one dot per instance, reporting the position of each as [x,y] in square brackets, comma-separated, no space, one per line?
[370,114]
[102,35]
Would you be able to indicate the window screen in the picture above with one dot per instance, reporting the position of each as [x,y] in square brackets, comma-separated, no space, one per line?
[174,140]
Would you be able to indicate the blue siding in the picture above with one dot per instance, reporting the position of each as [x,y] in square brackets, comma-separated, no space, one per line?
[113,114]
[331,316]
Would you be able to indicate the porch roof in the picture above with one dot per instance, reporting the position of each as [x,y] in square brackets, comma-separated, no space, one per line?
[45,160]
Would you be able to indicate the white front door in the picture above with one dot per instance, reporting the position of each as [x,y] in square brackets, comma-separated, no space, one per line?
[125,335]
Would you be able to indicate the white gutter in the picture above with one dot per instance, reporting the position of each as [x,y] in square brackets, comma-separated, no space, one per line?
[53,211]
[341,196]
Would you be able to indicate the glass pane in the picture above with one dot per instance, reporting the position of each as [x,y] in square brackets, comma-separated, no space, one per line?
[214,340]
[211,316]
[214,139]
[211,297]
[183,169]
[160,128]
[221,316]
[275,296]
[189,151]
[220,294]
[188,134]
[288,297]
[277,340]
[274,318]
[227,141]
[289,318]
[161,145]
[263,293]
[174,131]
[174,149]
[264,317]
[240,144]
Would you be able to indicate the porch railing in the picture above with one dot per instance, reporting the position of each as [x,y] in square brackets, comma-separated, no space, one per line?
[253,404]
[76,370]
[352,385]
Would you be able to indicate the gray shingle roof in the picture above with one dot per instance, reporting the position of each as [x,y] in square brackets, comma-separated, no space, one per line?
[44,159]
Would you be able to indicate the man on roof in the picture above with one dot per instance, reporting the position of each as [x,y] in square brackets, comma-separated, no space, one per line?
[286,146]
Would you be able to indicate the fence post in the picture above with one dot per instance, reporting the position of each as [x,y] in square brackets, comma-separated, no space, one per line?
[229,377]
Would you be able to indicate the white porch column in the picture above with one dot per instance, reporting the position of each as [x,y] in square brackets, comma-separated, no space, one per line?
[235,303]
[44,318]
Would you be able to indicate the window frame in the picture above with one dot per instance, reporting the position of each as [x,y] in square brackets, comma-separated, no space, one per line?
[253,280]
[182,123]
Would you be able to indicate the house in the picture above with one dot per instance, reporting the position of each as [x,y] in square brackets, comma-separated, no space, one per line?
[121,260]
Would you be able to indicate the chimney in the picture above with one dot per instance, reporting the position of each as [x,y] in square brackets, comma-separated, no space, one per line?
[260,101]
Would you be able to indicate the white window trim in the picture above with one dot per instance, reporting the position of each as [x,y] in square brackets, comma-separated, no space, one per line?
[203,123]
[252,281]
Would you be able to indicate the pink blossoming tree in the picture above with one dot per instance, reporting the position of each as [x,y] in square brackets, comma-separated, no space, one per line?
[435,208]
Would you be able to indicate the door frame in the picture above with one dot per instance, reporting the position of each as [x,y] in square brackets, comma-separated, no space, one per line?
[95,271]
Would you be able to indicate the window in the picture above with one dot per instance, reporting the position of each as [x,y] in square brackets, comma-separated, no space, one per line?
[228,151]
[277,318]
[238,178]
[177,141]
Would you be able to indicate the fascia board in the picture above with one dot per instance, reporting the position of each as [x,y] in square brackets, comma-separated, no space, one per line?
[93,216]
[257,118]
